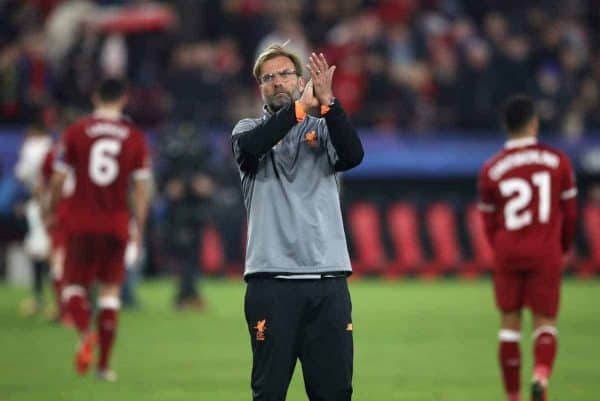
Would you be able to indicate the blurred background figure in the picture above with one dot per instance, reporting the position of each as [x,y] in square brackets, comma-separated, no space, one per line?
[36,144]
[188,210]
[28,171]
[188,189]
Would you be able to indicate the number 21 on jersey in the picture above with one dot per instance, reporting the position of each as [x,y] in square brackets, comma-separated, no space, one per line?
[517,211]
[104,167]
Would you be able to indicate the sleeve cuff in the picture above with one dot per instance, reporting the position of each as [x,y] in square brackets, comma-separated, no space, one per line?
[569,193]
[142,174]
[299,110]
[62,167]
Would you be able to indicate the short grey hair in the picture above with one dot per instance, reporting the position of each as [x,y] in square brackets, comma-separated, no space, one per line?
[272,51]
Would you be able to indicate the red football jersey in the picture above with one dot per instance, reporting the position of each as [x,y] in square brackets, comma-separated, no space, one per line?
[103,155]
[527,197]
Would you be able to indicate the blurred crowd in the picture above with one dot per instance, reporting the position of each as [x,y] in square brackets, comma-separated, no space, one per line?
[404,66]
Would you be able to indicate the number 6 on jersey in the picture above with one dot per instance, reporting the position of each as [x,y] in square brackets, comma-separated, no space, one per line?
[103,167]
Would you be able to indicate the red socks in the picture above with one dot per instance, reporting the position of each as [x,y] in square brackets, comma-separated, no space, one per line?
[545,346]
[509,356]
[107,328]
[75,298]
[108,311]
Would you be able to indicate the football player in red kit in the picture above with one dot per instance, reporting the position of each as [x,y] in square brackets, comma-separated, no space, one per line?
[527,197]
[107,156]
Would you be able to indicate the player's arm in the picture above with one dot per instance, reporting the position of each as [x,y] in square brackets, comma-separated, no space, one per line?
[569,223]
[140,199]
[55,187]
[141,187]
[487,207]
[42,187]
[61,167]
[568,205]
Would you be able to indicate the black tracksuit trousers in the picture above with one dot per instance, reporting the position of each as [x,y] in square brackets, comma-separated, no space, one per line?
[306,319]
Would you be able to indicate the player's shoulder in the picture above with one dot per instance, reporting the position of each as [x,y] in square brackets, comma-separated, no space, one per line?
[245,124]
[77,129]
[80,124]
[492,160]
[563,159]
[135,131]
[135,136]
[124,123]
[551,149]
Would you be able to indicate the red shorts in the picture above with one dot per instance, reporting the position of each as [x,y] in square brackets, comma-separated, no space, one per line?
[91,257]
[538,289]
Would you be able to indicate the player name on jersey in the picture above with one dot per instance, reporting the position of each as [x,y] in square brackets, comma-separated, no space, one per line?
[523,158]
[105,128]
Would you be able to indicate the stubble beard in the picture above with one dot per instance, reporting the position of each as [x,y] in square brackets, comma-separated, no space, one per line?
[282,99]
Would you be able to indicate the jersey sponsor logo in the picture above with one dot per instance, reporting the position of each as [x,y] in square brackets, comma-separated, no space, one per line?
[311,139]
[261,327]
[523,158]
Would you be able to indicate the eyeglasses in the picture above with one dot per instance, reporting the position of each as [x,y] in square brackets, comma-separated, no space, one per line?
[284,75]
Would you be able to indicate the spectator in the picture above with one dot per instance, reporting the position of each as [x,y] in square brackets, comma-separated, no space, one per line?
[28,171]
[476,103]
[408,58]
[188,210]
[552,97]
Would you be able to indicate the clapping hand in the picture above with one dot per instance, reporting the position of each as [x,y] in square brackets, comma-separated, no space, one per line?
[308,99]
[322,77]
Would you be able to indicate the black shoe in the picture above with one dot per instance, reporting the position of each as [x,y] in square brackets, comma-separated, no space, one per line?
[538,391]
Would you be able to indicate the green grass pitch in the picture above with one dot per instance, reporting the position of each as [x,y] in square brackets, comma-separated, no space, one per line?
[421,341]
